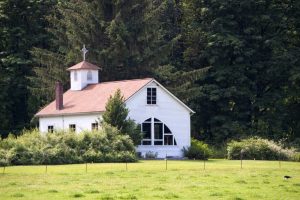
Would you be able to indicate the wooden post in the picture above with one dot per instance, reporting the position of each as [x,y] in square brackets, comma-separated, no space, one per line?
[86,167]
[46,168]
[279,159]
[204,161]
[166,162]
[279,164]
[241,159]
[3,169]
[126,165]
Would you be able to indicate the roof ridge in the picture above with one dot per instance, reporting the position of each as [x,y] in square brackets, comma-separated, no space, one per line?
[83,65]
[137,79]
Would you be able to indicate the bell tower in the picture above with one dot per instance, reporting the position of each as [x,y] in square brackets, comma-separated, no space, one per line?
[83,73]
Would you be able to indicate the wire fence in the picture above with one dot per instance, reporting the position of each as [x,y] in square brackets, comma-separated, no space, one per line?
[153,165]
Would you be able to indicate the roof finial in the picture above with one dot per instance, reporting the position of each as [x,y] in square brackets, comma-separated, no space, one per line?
[84,51]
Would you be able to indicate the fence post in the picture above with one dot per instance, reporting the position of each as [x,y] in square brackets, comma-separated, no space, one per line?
[279,158]
[3,169]
[279,164]
[166,161]
[241,159]
[204,160]
[86,167]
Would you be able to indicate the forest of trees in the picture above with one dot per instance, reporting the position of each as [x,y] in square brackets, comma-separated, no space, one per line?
[236,63]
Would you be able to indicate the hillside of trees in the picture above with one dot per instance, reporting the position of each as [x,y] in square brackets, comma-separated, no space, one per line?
[236,63]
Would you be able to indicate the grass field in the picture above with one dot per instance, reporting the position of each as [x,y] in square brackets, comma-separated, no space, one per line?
[221,179]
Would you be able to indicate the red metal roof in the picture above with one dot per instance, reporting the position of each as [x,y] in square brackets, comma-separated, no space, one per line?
[84,65]
[93,98]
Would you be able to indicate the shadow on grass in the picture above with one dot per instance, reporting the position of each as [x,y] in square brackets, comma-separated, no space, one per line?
[92,192]
[77,195]
[18,195]
[216,194]
[52,191]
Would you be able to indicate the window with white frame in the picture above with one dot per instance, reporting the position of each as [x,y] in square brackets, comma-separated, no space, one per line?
[156,133]
[151,96]
[50,129]
[72,127]
[94,126]
[89,76]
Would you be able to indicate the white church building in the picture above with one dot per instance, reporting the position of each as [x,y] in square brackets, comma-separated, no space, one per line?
[164,119]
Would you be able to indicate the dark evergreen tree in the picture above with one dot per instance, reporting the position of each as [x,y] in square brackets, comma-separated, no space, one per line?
[22,27]
[116,115]
[124,38]
[292,89]
[247,46]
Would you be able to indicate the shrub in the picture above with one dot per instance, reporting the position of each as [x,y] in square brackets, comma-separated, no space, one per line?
[219,152]
[296,157]
[21,154]
[197,150]
[151,155]
[92,155]
[4,158]
[31,147]
[259,149]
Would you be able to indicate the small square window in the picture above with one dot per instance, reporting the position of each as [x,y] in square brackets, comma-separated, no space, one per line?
[72,127]
[50,129]
[94,126]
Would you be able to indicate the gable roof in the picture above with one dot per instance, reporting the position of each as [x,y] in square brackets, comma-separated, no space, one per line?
[94,97]
[172,95]
[84,65]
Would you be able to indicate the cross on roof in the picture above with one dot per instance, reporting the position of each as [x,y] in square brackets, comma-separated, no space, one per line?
[84,51]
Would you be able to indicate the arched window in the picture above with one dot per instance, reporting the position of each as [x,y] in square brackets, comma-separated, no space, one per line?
[75,75]
[89,76]
[156,133]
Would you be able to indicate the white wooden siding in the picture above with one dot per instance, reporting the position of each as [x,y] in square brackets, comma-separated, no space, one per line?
[168,111]
[83,122]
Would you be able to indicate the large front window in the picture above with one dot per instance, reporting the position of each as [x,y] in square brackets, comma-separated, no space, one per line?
[156,133]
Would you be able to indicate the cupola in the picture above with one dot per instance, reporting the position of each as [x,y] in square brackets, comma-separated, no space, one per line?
[83,73]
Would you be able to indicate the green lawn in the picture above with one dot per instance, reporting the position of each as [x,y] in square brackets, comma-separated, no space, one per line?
[221,179]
